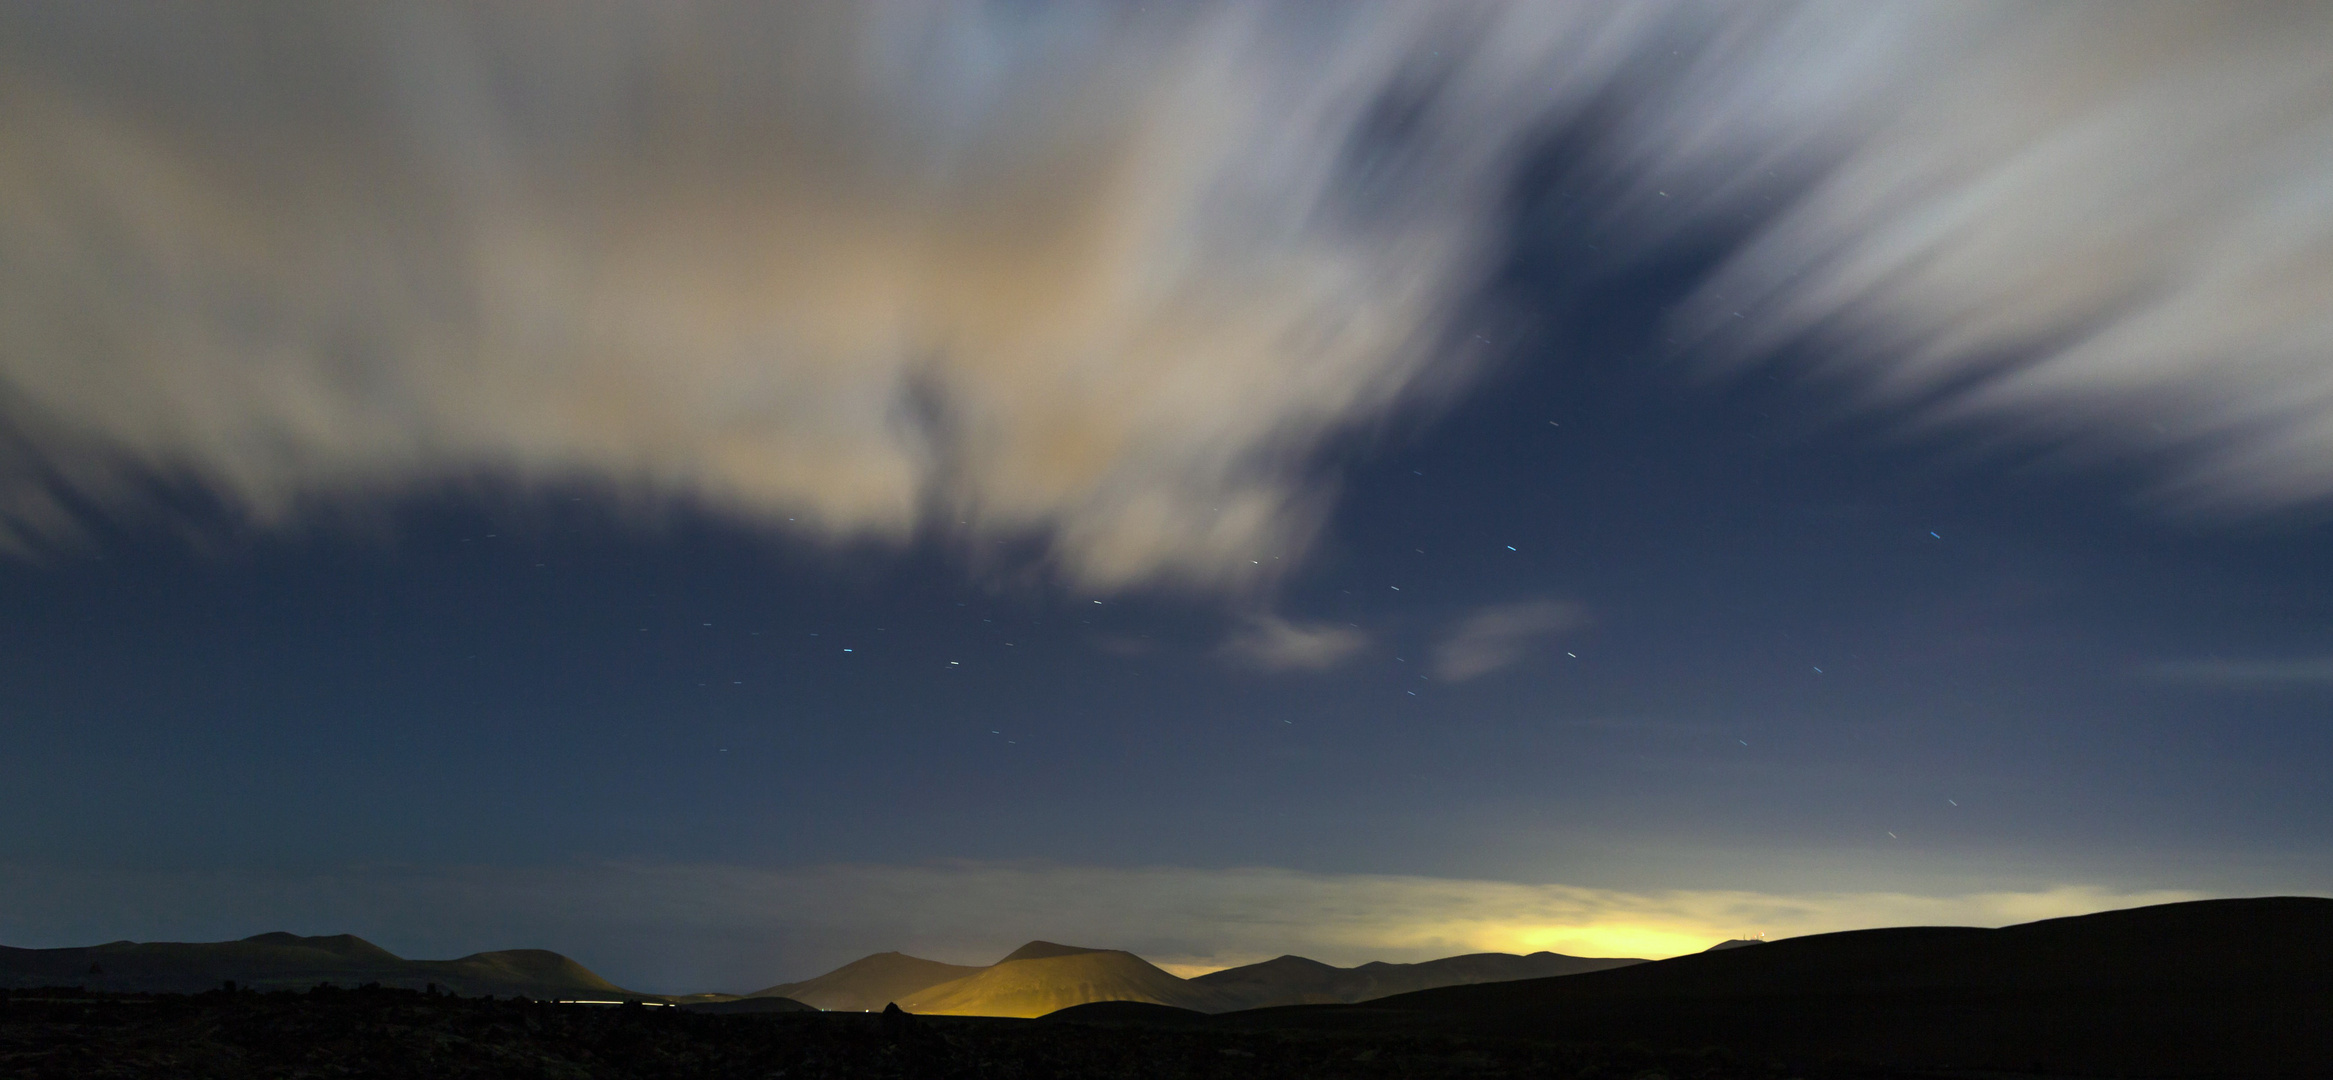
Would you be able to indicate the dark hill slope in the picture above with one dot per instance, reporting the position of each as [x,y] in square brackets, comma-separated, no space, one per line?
[288,961]
[1286,980]
[2210,988]
[1295,979]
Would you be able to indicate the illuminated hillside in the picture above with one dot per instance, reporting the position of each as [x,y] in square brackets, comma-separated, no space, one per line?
[1044,980]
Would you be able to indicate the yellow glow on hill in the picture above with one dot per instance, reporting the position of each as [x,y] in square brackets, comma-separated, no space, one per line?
[1648,940]
[1651,938]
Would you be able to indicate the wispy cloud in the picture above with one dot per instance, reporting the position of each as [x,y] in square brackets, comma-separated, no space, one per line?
[1095,276]
[1276,644]
[1495,637]
[687,927]
[2307,671]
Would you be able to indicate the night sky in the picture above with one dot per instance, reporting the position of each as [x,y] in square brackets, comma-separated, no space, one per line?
[719,493]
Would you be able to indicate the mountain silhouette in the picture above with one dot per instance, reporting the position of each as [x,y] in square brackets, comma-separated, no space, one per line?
[1043,976]
[284,961]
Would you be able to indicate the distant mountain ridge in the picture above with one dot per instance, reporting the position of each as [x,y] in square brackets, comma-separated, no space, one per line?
[281,961]
[1042,977]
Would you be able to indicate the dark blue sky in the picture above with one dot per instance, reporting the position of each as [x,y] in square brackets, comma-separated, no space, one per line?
[1803,634]
[659,644]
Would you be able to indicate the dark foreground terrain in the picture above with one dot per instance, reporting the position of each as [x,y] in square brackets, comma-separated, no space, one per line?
[2225,988]
[2211,989]
[403,1033]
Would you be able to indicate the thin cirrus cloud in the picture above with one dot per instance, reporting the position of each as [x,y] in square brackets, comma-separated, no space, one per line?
[1099,277]
[689,927]
[1502,634]
[2315,671]
[1276,644]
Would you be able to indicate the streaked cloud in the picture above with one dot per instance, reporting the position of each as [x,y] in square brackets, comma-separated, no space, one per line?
[1276,644]
[686,927]
[1497,636]
[2306,671]
[1079,275]
[2097,224]
[1103,278]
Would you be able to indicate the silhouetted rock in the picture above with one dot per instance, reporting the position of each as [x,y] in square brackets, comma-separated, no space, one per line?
[897,1024]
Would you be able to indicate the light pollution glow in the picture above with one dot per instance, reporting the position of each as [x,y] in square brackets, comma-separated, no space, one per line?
[668,927]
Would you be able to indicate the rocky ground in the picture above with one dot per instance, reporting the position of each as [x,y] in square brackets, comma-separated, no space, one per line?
[371,1032]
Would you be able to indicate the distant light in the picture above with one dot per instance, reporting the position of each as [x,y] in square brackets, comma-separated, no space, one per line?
[846,650]
[1510,547]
